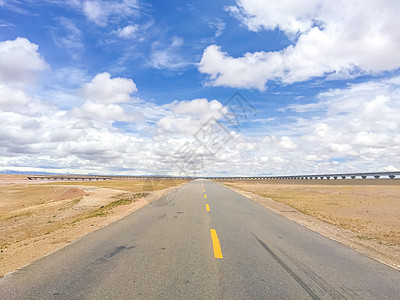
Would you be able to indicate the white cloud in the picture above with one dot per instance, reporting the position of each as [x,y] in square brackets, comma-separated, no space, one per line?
[187,117]
[290,16]
[100,12]
[19,62]
[167,56]
[218,25]
[342,129]
[279,160]
[350,129]
[94,12]
[249,71]
[358,124]
[104,113]
[201,107]
[10,98]
[391,168]
[340,39]
[127,32]
[104,89]
[104,98]
[69,38]
[287,143]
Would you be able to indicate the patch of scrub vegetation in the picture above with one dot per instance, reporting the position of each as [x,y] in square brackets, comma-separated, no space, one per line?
[4,246]
[364,237]
[76,200]
[104,210]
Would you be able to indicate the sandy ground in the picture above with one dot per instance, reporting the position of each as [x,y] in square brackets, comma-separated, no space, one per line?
[362,214]
[37,218]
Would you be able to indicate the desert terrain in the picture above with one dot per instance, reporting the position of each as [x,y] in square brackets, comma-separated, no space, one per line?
[39,217]
[361,213]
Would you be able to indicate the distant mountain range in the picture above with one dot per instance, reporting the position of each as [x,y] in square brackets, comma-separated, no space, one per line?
[12,172]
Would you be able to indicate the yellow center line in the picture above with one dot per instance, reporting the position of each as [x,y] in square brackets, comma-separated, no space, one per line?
[205,196]
[216,244]
[207,207]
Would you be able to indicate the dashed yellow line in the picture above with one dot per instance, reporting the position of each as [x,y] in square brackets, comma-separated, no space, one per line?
[205,196]
[207,207]
[216,244]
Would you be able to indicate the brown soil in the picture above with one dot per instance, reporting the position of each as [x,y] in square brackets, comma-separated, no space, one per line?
[71,193]
[39,218]
[363,214]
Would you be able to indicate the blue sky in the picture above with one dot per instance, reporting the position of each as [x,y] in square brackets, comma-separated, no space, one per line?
[127,87]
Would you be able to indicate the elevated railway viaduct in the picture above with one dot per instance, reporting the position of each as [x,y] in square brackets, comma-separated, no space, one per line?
[372,175]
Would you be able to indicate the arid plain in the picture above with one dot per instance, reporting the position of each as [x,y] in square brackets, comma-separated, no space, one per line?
[39,217]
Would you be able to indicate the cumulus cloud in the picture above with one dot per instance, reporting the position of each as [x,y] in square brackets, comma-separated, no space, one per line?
[201,107]
[287,143]
[339,39]
[105,99]
[250,71]
[105,113]
[10,98]
[357,124]
[289,16]
[188,116]
[19,62]
[104,89]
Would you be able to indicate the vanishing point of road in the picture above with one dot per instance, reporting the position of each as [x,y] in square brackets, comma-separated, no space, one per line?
[209,243]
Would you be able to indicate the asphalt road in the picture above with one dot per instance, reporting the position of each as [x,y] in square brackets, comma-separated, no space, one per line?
[180,250]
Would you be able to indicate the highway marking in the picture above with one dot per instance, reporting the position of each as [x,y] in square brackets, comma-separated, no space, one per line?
[205,196]
[216,244]
[207,207]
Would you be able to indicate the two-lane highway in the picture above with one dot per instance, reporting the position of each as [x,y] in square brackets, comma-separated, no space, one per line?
[209,243]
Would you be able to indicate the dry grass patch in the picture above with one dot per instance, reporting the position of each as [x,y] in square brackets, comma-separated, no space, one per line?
[104,210]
